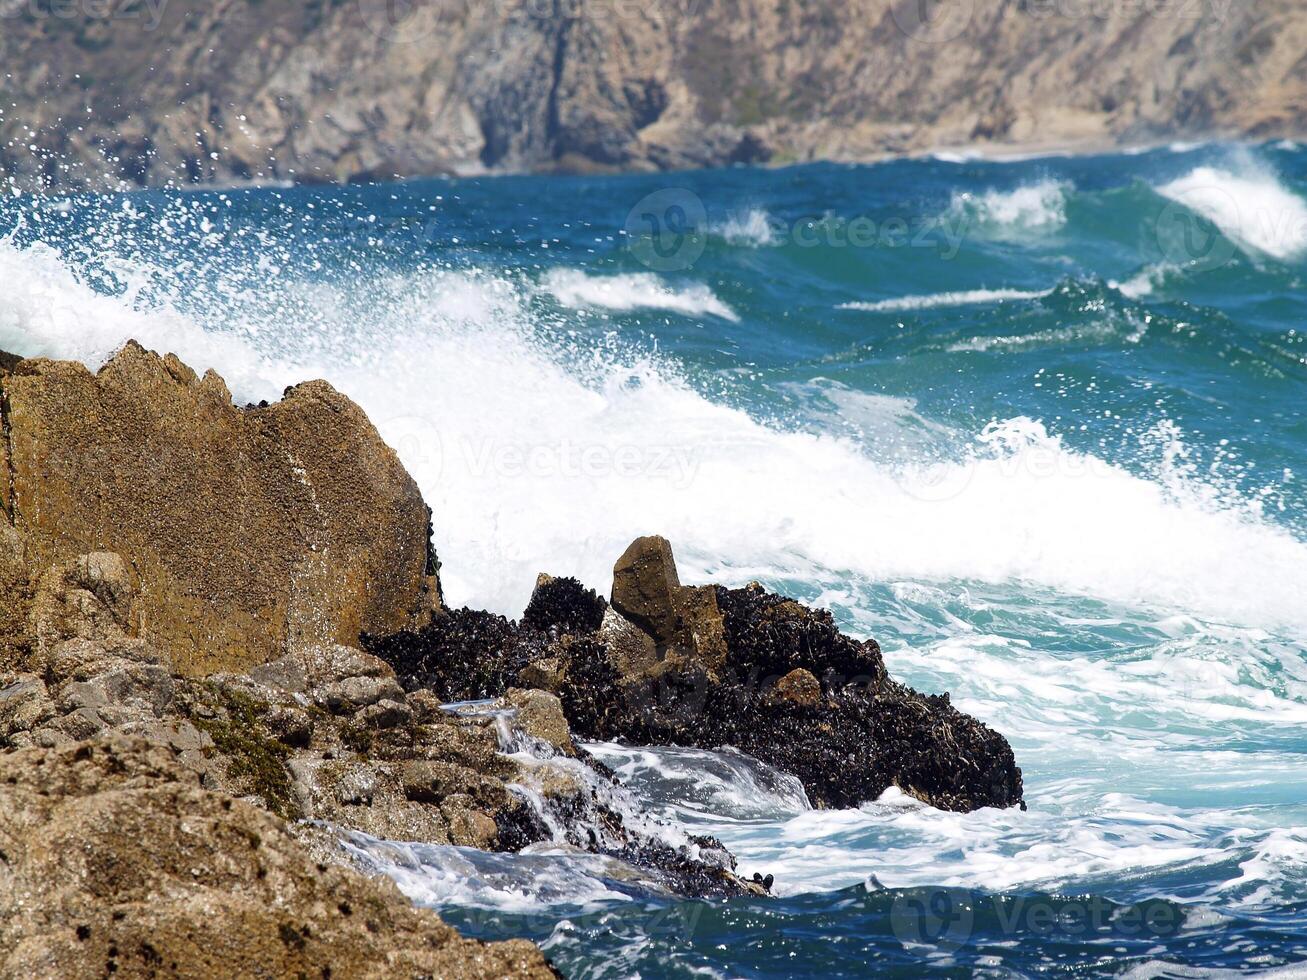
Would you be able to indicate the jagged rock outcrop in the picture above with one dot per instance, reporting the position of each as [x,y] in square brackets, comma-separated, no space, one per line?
[116,862]
[177,574]
[234,90]
[327,733]
[244,532]
[708,666]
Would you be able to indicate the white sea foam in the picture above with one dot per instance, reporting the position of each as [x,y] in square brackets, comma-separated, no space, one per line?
[1249,204]
[633,291]
[441,875]
[538,457]
[694,785]
[968,297]
[1074,836]
[1036,208]
[751,228]
[1145,281]
[1090,333]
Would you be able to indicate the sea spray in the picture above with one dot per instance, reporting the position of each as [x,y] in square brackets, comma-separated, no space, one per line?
[1078,512]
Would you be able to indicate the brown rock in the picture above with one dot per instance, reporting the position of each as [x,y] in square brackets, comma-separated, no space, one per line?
[683,621]
[250,532]
[354,693]
[631,650]
[88,597]
[700,626]
[800,687]
[352,90]
[386,713]
[15,588]
[469,827]
[117,862]
[435,782]
[645,585]
[24,705]
[540,715]
[544,674]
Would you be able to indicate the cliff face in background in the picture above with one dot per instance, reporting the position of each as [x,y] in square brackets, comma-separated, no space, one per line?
[152,91]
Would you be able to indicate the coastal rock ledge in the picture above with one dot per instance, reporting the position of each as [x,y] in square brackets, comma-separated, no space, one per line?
[706,666]
[226,674]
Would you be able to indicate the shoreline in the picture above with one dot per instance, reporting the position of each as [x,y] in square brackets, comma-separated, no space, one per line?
[468,171]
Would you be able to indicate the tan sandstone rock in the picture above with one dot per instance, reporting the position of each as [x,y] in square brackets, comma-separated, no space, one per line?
[683,621]
[799,687]
[116,862]
[645,584]
[244,533]
[540,715]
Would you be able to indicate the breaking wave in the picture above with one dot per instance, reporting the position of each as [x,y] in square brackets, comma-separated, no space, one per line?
[1031,208]
[634,291]
[1249,204]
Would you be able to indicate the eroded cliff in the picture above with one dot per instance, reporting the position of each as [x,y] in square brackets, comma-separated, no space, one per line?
[233,90]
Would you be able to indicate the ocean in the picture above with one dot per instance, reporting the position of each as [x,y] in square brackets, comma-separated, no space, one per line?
[1035,425]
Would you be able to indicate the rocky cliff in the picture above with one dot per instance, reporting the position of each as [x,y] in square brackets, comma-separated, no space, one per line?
[232,90]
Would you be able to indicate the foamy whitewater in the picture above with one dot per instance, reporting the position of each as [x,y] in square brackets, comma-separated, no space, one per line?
[1040,436]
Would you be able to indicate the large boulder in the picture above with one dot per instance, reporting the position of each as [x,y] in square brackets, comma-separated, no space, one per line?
[683,621]
[246,533]
[117,862]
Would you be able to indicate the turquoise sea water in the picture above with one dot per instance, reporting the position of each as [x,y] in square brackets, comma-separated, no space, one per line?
[1037,426]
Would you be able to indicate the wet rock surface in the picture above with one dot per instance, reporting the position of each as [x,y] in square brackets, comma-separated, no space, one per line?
[328,734]
[117,862]
[168,754]
[708,666]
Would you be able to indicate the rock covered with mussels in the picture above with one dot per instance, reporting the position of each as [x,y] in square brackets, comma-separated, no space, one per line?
[707,666]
